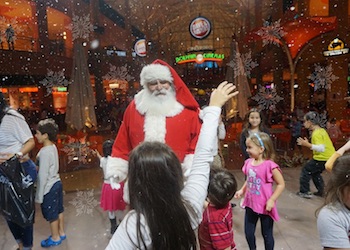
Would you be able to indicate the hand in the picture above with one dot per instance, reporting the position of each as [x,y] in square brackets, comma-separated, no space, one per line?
[238,194]
[269,205]
[302,141]
[222,94]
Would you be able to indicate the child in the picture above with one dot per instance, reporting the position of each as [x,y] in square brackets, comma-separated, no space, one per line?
[253,124]
[111,199]
[165,211]
[215,230]
[333,221]
[260,198]
[322,148]
[49,187]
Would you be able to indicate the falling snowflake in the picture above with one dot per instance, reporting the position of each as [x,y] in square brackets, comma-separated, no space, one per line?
[18,28]
[323,119]
[81,27]
[243,68]
[118,73]
[271,33]
[78,150]
[323,77]
[84,202]
[54,79]
[267,98]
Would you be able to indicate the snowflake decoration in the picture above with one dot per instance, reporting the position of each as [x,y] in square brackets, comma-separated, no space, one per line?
[267,98]
[84,202]
[323,77]
[77,149]
[323,119]
[81,27]
[4,22]
[243,68]
[271,33]
[118,73]
[53,79]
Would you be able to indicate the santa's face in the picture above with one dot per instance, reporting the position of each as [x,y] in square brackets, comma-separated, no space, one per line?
[160,90]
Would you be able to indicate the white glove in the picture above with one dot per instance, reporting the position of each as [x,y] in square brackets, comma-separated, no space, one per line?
[114,183]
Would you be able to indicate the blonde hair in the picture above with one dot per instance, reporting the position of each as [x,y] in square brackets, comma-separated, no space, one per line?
[262,139]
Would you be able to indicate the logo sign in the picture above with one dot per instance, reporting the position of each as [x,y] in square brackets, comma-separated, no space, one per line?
[199,58]
[140,47]
[336,47]
[200,27]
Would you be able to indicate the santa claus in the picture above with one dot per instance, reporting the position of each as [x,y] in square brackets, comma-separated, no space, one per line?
[165,111]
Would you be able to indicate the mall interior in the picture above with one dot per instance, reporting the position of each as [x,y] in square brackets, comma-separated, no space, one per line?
[78,62]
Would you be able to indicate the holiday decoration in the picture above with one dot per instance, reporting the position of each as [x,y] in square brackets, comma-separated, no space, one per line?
[77,149]
[84,202]
[267,98]
[322,77]
[54,79]
[81,27]
[118,73]
[243,68]
[271,33]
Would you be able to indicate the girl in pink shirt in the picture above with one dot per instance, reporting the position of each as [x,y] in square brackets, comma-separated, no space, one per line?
[259,195]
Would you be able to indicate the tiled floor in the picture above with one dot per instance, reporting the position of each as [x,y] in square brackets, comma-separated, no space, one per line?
[87,226]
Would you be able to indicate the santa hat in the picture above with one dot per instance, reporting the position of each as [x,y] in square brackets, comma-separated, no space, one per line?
[154,72]
[160,70]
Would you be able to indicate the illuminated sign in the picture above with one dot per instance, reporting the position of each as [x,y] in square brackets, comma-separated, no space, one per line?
[336,47]
[199,58]
[140,47]
[200,27]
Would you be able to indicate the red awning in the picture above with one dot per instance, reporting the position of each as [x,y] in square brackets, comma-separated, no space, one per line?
[300,31]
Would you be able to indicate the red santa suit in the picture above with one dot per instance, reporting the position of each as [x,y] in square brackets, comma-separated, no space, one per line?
[178,127]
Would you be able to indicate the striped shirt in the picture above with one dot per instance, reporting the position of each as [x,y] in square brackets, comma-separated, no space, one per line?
[14,132]
[215,231]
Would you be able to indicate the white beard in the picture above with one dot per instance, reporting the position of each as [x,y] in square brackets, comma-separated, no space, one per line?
[161,103]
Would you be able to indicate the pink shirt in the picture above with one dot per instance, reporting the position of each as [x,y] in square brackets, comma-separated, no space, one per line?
[259,186]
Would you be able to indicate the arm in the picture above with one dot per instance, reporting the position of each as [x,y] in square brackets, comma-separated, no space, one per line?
[336,155]
[242,191]
[222,130]
[305,143]
[195,190]
[44,166]
[280,185]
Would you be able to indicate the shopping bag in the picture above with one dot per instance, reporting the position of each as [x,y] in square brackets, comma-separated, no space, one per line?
[16,193]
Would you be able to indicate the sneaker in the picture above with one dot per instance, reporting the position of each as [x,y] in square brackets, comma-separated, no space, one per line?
[63,237]
[49,242]
[320,194]
[304,195]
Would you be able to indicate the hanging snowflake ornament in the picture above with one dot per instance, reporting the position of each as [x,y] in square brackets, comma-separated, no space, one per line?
[267,98]
[271,33]
[323,77]
[81,27]
[243,68]
[54,79]
[118,73]
[323,119]
[84,202]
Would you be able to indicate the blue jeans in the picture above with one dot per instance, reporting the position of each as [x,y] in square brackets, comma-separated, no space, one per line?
[24,235]
[312,169]
[250,221]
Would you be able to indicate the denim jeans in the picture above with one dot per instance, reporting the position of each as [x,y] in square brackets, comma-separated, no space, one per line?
[24,235]
[250,221]
[312,169]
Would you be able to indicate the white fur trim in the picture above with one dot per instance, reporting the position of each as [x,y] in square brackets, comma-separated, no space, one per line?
[187,165]
[144,104]
[154,128]
[153,72]
[116,168]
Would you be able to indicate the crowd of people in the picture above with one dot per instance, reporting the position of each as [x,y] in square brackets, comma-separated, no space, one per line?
[161,189]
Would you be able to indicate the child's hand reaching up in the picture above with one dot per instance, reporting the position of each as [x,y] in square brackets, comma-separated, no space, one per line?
[97,154]
[222,94]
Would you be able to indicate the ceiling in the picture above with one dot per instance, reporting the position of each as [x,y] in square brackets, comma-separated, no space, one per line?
[166,22]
